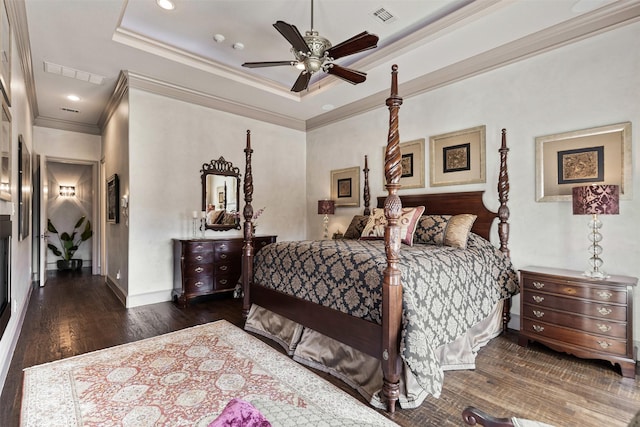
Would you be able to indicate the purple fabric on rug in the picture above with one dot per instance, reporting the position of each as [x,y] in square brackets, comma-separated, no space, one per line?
[240,413]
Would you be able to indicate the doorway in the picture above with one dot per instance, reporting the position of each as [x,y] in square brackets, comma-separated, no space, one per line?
[71,195]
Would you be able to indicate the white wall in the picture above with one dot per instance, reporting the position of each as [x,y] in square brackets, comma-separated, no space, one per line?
[169,142]
[592,83]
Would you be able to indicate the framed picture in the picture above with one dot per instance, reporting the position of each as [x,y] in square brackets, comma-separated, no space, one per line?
[345,186]
[597,155]
[5,153]
[24,194]
[113,199]
[458,157]
[412,164]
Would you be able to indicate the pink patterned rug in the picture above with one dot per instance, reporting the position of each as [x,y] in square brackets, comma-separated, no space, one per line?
[183,378]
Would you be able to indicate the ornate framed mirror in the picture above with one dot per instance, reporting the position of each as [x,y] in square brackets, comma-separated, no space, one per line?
[221,195]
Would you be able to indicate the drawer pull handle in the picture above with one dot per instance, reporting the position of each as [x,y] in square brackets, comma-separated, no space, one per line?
[538,328]
[604,344]
[223,267]
[199,269]
[605,294]
[199,247]
[199,258]
[223,256]
[198,284]
[603,327]
[570,291]
[538,298]
[538,285]
[223,281]
[538,313]
[604,311]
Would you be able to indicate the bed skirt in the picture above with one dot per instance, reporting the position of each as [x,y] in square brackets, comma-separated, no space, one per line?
[359,370]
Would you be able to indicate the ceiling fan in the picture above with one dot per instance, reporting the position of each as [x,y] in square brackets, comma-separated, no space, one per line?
[314,53]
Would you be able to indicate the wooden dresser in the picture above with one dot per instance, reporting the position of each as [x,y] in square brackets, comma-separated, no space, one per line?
[589,318]
[208,266]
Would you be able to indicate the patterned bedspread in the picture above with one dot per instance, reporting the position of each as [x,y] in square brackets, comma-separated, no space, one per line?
[445,290]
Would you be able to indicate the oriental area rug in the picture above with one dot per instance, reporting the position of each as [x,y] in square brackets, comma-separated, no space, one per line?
[185,378]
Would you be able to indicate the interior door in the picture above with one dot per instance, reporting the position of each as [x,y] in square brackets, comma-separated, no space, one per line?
[36,242]
[44,196]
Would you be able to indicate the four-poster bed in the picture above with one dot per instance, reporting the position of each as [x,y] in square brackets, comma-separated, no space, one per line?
[355,292]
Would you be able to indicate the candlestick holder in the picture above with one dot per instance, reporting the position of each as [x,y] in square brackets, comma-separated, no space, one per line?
[202,227]
[194,227]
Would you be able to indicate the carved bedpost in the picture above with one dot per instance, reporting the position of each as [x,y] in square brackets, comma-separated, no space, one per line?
[247,248]
[367,195]
[503,217]
[392,285]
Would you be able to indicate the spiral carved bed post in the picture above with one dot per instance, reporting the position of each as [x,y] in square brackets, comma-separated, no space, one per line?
[392,286]
[247,248]
[503,218]
[366,194]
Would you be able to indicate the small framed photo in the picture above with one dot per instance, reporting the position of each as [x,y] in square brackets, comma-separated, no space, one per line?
[412,162]
[345,186]
[599,155]
[458,157]
[113,199]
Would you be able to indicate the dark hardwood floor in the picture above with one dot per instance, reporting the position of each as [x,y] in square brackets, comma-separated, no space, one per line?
[77,313]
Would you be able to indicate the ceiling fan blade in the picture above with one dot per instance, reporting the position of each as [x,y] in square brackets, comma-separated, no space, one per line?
[352,76]
[293,36]
[302,82]
[358,43]
[267,64]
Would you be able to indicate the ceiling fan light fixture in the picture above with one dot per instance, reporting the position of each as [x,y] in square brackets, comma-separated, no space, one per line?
[300,65]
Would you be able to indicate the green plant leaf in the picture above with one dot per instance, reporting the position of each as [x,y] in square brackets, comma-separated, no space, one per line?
[54,249]
[79,223]
[50,227]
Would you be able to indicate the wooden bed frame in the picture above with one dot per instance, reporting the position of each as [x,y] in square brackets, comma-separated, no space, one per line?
[380,341]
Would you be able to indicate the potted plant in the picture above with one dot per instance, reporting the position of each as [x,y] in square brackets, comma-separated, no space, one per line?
[69,243]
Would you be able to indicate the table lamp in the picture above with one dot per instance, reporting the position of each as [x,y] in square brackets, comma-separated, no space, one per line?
[326,208]
[596,200]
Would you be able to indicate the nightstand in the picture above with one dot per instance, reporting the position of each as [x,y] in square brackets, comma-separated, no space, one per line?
[569,312]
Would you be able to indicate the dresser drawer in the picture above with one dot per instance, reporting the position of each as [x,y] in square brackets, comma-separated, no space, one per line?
[579,338]
[196,270]
[198,285]
[570,320]
[197,247]
[594,309]
[226,268]
[572,289]
[199,258]
[228,250]
[225,282]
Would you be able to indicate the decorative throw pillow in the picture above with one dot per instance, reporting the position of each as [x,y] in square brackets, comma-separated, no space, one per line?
[374,230]
[458,230]
[355,228]
[240,413]
[430,229]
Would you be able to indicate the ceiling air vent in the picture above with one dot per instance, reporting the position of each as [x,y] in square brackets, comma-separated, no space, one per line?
[383,15]
[84,76]
[70,110]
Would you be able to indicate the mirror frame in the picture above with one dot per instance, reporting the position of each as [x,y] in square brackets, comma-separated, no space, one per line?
[223,168]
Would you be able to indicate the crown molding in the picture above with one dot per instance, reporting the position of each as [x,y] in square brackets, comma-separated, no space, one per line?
[17,13]
[50,122]
[588,25]
[129,79]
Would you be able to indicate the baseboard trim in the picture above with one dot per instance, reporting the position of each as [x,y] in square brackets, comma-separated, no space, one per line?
[119,293]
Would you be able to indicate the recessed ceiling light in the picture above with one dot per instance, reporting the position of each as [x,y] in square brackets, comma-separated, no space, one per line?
[166,4]
[238,46]
[219,38]
[74,98]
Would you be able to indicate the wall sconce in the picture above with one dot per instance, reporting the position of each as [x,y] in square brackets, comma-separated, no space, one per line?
[326,208]
[67,191]
[596,200]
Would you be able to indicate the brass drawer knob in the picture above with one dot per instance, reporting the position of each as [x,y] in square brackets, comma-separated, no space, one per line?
[604,344]
[569,291]
[538,298]
[223,281]
[198,284]
[603,328]
[604,311]
[538,313]
[223,256]
[199,247]
[199,269]
[199,258]
[538,285]
[605,294]
[538,328]
[224,267]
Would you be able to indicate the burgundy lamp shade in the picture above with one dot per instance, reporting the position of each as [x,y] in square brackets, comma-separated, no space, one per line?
[596,199]
[326,207]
